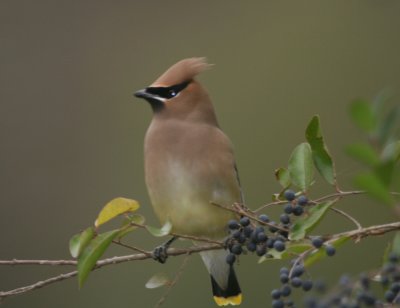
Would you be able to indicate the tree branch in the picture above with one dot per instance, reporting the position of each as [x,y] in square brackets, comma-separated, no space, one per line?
[99,264]
[357,233]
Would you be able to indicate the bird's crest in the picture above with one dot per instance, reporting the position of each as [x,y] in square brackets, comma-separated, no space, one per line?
[182,71]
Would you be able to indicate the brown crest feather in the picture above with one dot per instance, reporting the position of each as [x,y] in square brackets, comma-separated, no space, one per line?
[182,71]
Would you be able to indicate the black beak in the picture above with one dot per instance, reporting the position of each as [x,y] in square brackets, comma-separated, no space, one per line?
[143,94]
[155,103]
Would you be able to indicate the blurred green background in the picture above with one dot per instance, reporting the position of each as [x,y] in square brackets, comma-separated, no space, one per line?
[72,134]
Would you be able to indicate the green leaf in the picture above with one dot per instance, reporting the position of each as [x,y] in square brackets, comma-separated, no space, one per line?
[305,224]
[322,159]
[87,260]
[159,232]
[283,177]
[301,167]
[292,248]
[391,152]
[363,115]
[386,126]
[126,226]
[79,241]
[364,153]
[374,186]
[320,253]
[396,243]
[114,208]
[157,280]
[384,172]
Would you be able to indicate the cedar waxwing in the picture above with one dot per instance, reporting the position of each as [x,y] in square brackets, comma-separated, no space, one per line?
[189,163]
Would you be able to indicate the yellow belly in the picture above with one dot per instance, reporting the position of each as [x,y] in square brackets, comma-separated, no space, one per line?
[185,201]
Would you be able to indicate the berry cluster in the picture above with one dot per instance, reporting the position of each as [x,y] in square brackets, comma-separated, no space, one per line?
[294,206]
[290,279]
[359,293]
[318,242]
[246,236]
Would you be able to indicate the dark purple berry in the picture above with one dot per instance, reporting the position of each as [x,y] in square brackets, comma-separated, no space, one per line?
[395,287]
[276,294]
[270,242]
[302,200]
[236,234]
[289,195]
[390,296]
[307,285]
[284,270]
[317,242]
[286,290]
[261,237]
[284,278]
[330,250]
[260,229]
[263,218]
[237,249]
[233,224]
[279,245]
[261,250]
[298,270]
[244,221]
[247,231]
[298,210]
[242,238]
[288,209]
[277,303]
[251,246]
[296,282]
[285,219]
[230,259]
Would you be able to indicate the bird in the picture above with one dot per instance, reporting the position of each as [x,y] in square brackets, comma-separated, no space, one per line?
[189,164]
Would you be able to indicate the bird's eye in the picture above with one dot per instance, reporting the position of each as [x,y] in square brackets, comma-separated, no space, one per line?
[167,92]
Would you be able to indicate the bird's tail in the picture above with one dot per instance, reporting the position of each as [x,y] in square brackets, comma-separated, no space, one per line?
[225,286]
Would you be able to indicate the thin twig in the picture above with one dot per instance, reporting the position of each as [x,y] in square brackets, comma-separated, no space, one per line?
[132,247]
[269,205]
[99,264]
[197,239]
[339,194]
[250,215]
[37,285]
[38,262]
[369,231]
[173,282]
[349,217]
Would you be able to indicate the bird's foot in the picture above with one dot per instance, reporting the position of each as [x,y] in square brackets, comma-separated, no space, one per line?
[160,252]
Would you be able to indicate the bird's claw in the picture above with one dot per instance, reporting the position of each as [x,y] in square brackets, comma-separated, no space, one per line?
[160,254]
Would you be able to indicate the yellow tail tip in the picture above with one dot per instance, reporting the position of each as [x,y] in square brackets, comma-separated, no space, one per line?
[232,300]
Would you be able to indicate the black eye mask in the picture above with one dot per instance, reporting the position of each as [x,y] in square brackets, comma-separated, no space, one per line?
[167,92]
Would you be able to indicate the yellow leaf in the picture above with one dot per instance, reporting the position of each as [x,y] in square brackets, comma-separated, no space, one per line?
[114,208]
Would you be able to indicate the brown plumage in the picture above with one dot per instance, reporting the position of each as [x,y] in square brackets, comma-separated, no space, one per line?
[189,162]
